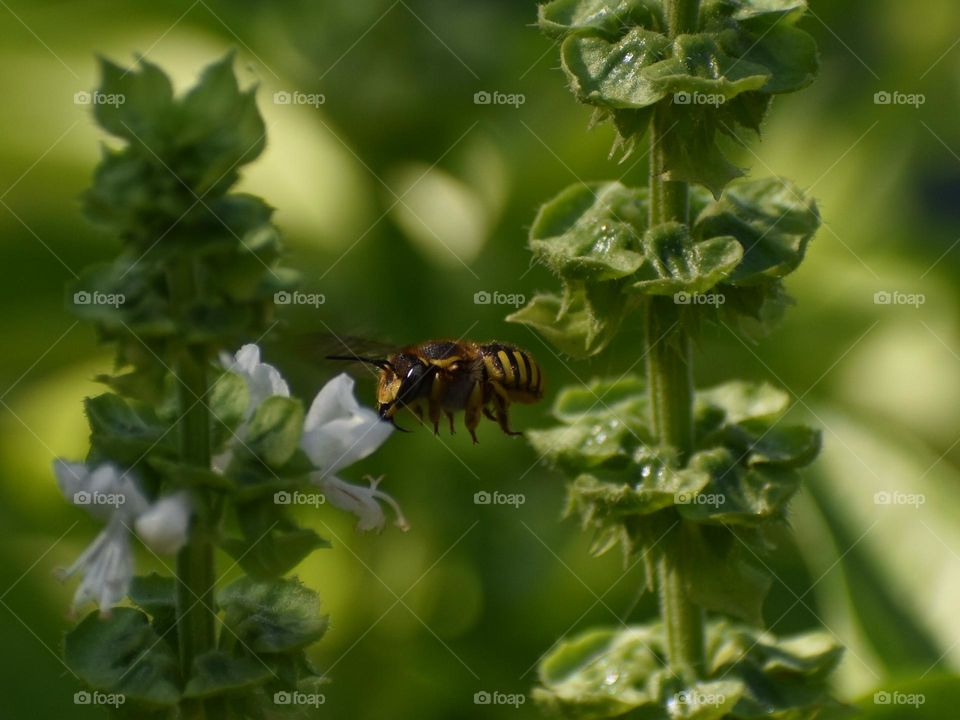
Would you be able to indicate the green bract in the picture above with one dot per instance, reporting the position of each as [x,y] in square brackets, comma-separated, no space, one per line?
[618,57]
[166,193]
[196,273]
[750,674]
[693,484]
[596,239]
[730,493]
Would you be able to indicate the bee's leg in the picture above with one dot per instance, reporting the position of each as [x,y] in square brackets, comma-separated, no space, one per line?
[450,420]
[502,408]
[435,402]
[417,409]
[488,413]
[473,409]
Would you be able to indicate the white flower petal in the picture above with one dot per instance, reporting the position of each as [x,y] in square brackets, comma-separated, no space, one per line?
[337,431]
[164,528]
[103,491]
[335,400]
[107,568]
[70,476]
[364,502]
[263,380]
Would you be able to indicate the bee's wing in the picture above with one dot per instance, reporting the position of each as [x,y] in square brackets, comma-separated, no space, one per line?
[307,354]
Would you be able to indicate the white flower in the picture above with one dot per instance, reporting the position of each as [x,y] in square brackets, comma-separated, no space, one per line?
[263,381]
[361,501]
[338,432]
[113,496]
[164,527]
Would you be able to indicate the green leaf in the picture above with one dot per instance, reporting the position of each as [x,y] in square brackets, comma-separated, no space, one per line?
[123,654]
[228,400]
[740,400]
[736,494]
[691,151]
[591,232]
[154,593]
[675,263]
[789,445]
[611,74]
[603,674]
[789,55]
[625,395]
[769,12]
[273,617]
[727,575]
[783,677]
[271,544]
[273,433]
[223,126]
[568,323]
[707,700]
[771,219]
[216,673]
[607,17]
[136,103]
[698,64]
[602,503]
[123,431]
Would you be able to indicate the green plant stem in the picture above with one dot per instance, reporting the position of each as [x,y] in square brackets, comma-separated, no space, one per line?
[670,382]
[195,564]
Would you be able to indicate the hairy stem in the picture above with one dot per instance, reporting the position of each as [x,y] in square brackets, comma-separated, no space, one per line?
[670,382]
[195,563]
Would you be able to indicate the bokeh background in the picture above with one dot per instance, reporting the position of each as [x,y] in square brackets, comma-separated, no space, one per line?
[401,198]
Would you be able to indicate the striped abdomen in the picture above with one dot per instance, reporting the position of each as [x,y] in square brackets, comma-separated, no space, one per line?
[514,370]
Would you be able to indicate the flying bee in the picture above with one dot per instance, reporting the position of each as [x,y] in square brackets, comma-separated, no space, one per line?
[443,377]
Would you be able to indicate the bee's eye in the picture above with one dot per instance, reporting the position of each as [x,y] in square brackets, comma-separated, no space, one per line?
[412,383]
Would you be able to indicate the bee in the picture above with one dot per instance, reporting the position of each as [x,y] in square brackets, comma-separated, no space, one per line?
[443,377]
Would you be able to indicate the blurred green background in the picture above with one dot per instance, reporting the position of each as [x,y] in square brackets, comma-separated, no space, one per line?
[401,198]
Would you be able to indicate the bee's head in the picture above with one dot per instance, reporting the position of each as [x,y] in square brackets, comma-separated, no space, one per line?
[406,379]
[403,378]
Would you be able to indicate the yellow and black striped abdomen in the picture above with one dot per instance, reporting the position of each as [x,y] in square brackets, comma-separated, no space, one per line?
[514,370]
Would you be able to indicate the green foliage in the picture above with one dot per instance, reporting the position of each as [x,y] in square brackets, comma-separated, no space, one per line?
[272,617]
[734,488]
[166,193]
[693,484]
[596,239]
[123,654]
[196,273]
[618,56]
[621,673]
